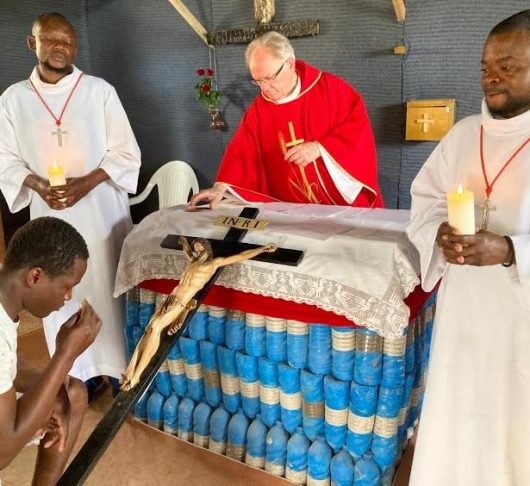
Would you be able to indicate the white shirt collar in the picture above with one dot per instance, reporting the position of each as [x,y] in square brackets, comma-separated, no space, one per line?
[294,94]
[505,126]
[65,83]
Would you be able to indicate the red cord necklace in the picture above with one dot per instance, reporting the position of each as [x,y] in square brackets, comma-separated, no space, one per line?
[58,119]
[488,206]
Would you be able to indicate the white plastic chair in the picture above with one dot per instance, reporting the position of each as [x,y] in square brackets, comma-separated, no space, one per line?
[174,180]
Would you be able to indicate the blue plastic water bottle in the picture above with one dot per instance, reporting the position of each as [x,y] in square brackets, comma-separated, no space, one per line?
[177,373]
[290,397]
[201,424]
[312,404]
[297,343]
[256,435]
[269,393]
[155,404]
[337,398]
[296,465]
[318,460]
[343,352]
[218,430]
[237,436]
[170,414]
[217,325]
[247,367]
[193,368]
[368,357]
[229,378]
[210,370]
[366,472]
[361,418]
[342,469]
[255,335]
[235,330]
[198,326]
[393,373]
[276,450]
[276,338]
[163,380]
[185,419]
[319,354]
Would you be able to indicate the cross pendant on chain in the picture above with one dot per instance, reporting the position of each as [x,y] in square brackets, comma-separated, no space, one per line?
[59,134]
[488,206]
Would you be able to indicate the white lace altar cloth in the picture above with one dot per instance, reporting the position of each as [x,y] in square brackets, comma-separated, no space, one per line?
[358,263]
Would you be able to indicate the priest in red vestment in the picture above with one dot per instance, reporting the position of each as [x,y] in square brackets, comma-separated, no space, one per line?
[306,138]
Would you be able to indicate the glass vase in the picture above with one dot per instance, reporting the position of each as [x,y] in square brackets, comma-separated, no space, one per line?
[216,121]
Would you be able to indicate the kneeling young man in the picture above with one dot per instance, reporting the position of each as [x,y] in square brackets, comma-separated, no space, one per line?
[45,259]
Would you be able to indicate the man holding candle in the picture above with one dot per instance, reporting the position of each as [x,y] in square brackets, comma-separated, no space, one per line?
[475,426]
[67,149]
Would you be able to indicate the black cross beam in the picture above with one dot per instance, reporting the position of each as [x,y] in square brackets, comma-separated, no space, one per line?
[225,248]
[243,35]
[95,446]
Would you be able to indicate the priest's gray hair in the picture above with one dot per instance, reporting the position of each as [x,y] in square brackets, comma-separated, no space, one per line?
[277,43]
[518,22]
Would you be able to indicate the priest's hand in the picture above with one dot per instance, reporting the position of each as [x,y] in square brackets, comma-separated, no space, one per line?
[211,196]
[480,249]
[303,154]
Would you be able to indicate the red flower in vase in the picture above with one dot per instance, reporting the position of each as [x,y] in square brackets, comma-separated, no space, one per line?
[205,89]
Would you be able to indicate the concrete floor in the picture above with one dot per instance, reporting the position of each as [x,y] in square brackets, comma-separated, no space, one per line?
[140,455]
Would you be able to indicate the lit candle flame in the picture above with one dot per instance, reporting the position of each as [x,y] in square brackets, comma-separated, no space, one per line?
[459,189]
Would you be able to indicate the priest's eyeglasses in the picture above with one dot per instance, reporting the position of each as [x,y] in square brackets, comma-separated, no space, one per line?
[269,79]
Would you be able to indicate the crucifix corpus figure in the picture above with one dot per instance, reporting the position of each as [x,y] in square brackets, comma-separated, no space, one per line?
[174,310]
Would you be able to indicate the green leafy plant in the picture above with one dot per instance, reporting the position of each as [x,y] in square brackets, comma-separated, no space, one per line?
[205,91]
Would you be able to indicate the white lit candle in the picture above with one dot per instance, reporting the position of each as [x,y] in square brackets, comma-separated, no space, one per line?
[461,210]
[56,175]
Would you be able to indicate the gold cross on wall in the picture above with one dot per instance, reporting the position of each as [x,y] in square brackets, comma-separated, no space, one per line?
[425,120]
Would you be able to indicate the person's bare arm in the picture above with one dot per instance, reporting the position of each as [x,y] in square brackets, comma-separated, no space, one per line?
[20,419]
[186,248]
[245,255]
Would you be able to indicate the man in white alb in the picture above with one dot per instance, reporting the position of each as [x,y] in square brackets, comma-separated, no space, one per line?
[475,426]
[61,116]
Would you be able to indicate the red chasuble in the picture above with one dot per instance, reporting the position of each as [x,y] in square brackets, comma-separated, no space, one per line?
[328,111]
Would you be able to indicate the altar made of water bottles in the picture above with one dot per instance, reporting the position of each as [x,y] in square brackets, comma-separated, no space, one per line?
[314,403]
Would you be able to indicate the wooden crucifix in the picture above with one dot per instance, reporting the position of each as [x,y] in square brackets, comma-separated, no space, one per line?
[108,427]
[264,11]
